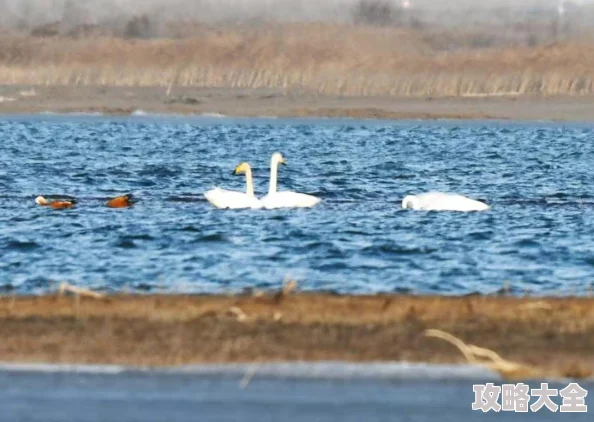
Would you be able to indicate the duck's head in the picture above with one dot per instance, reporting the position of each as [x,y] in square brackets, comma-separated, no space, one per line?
[40,200]
[242,168]
[278,158]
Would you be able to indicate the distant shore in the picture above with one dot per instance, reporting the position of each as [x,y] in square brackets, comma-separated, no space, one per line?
[276,103]
[555,335]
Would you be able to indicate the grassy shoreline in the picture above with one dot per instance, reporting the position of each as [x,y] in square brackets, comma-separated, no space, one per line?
[544,336]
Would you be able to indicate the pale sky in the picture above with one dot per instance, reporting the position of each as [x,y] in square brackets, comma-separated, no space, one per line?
[43,11]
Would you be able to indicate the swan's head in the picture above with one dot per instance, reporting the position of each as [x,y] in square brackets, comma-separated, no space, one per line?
[409,201]
[277,158]
[40,200]
[242,168]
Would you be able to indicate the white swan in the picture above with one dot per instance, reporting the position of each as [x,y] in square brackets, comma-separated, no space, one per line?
[276,199]
[223,198]
[439,201]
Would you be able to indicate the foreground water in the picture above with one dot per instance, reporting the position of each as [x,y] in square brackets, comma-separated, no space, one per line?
[538,237]
[48,394]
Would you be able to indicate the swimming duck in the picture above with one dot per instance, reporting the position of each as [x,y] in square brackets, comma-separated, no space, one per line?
[123,201]
[58,204]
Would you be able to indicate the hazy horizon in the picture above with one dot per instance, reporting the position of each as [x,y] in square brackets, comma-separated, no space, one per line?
[38,12]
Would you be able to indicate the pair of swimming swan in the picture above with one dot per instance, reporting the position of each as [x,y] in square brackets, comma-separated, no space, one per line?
[222,198]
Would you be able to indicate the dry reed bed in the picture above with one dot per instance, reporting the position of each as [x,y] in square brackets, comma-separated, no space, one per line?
[312,58]
[518,337]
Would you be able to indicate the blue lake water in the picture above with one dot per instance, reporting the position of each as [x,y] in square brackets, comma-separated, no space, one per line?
[538,238]
[321,392]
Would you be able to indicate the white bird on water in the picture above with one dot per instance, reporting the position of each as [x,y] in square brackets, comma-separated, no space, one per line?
[439,201]
[223,198]
[284,199]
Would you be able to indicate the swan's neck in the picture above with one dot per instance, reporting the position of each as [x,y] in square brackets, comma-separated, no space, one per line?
[273,171]
[249,184]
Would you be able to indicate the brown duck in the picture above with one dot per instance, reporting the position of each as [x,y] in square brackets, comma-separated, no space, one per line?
[57,204]
[121,201]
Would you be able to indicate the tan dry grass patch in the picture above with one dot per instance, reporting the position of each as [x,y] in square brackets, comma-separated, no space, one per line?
[324,59]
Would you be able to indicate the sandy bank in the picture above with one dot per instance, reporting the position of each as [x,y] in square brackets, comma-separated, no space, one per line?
[553,334]
[269,102]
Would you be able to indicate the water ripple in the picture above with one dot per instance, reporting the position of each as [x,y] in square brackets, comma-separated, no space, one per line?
[538,237]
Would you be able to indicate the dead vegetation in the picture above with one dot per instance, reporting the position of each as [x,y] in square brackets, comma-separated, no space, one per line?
[324,59]
[79,291]
[376,12]
[538,337]
[480,356]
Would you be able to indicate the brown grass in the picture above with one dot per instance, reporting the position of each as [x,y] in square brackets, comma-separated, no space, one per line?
[542,336]
[301,58]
